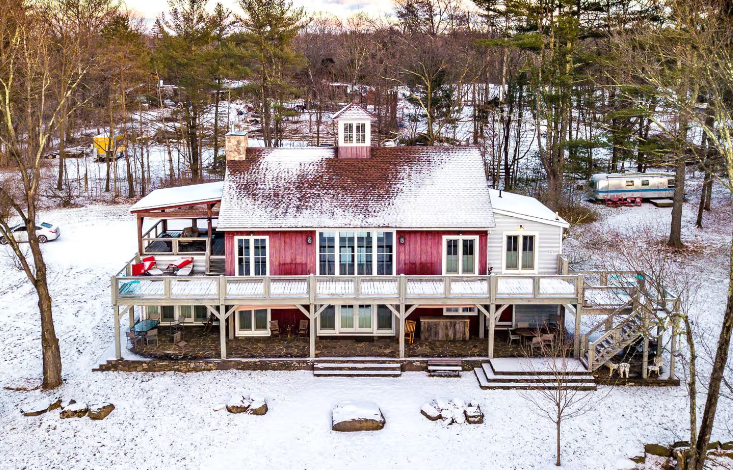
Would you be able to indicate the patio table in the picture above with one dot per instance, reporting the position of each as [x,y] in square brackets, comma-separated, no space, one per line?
[144,326]
[526,332]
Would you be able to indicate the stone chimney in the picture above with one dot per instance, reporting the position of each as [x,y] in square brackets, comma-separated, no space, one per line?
[236,145]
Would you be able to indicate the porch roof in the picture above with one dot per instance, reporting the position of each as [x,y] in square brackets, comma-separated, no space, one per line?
[181,196]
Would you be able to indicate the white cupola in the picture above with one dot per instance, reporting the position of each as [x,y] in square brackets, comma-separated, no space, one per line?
[354,130]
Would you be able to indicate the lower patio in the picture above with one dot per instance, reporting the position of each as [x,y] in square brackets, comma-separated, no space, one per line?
[197,344]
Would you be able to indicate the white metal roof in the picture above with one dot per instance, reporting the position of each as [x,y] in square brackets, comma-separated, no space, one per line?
[524,207]
[180,196]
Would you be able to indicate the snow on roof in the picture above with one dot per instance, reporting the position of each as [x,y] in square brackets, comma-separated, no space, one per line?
[524,207]
[180,196]
[353,111]
[602,176]
[397,187]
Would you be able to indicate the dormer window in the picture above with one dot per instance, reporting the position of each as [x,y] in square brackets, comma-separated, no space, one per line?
[355,133]
[353,126]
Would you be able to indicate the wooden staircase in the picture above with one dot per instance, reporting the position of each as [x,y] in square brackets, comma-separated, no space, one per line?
[489,378]
[366,368]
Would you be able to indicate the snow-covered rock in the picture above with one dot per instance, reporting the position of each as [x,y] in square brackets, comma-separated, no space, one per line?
[101,410]
[244,401]
[474,415]
[258,407]
[430,412]
[76,410]
[40,406]
[356,416]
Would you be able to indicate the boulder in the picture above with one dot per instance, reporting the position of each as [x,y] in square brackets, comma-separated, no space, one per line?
[460,418]
[101,410]
[239,403]
[430,412]
[447,421]
[657,450]
[681,444]
[638,459]
[41,406]
[67,402]
[474,415]
[258,408]
[76,410]
[356,416]
[726,446]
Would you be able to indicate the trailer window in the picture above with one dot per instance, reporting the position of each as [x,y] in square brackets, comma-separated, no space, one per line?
[645,182]
[671,182]
[629,183]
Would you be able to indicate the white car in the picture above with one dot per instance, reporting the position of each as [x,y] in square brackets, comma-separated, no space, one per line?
[44,232]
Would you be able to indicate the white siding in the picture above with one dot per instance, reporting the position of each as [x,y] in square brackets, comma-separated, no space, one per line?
[548,244]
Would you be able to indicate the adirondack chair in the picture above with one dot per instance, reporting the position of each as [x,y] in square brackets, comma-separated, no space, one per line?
[410,331]
[274,328]
[303,327]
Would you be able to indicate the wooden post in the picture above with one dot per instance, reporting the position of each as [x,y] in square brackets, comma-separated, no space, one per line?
[164,225]
[645,340]
[490,346]
[401,329]
[222,331]
[131,313]
[118,347]
[577,333]
[209,222]
[312,332]
[140,234]
[481,325]
[231,327]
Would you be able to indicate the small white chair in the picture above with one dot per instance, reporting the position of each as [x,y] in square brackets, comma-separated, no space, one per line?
[657,365]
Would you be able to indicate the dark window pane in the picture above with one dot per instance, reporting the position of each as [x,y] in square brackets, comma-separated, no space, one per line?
[261,319]
[511,262]
[467,256]
[452,256]
[364,253]
[528,252]
[243,257]
[384,318]
[260,255]
[385,246]
[167,313]
[200,313]
[346,253]
[326,253]
[327,319]
[245,320]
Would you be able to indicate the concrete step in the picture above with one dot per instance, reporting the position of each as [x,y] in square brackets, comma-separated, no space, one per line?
[357,368]
[444,368]
[525,372]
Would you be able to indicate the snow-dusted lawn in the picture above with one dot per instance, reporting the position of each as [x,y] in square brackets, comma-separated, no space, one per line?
[166,420]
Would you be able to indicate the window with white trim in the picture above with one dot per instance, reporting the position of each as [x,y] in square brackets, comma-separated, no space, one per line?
[348,133]
[356,319]
[356,253]
[360,133]
[520,253]
[251,256]
[253,322]
[460,311]
[460,255]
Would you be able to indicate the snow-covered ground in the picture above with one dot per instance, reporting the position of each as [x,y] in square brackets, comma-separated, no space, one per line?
[166,420]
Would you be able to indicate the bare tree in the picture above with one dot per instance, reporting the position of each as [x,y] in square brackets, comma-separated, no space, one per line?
[554,394]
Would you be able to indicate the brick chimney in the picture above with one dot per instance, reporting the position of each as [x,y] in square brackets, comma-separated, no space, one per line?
[236,145]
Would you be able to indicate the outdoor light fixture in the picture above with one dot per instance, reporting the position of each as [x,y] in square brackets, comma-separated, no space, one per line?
[309,239]
[521,228]
[402,239]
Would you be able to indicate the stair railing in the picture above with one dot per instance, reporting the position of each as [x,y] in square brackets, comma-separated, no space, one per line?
[605,322]
[618,338]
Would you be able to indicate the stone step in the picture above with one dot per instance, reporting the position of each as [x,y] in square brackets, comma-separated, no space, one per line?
[444,368]
[523,372]
[445,374]
[493,377]
[358,373]
[488,385]
[356,366]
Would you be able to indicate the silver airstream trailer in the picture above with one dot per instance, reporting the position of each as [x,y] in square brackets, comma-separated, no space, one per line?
[632,185]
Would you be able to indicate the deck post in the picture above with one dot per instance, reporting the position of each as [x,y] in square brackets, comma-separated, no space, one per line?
[223,331]
[118,347]
[490,346]
[131,313]
[401,318]
[481,325]
[311,332]
[577,333]
[645,340]
[231,330]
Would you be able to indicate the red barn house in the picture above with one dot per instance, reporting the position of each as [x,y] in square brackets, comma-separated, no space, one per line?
[351,250]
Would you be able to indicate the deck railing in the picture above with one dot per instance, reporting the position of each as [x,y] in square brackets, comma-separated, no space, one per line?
[478,289]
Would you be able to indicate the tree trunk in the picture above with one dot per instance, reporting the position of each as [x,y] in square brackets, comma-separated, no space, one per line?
[677,213]
[702,202]
[558,442]
[216,123]
[62,154]
[717,374]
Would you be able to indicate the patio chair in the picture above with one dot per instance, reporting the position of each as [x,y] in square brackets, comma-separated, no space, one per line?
[150,267]
[132,338]
[656,367]
[512,337]
[155,316]
[182,267]
[537,342]
[303,327]
[274,328]
[151,335]
[410,331]
[547,339]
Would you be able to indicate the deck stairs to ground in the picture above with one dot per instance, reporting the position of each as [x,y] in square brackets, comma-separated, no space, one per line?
[524,379]
[622,328]
[216,266]
[367,368]
[445,367]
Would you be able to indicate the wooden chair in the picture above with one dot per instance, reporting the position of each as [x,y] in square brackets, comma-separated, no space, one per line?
[410,331]
[657,365]
[151,335]
[512,337]
[155,316]
[209,323]
[537,342]
[132,338]
[274,328]
[303,327]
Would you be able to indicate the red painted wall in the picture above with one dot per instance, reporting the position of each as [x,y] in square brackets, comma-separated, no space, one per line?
[289,252]
[422,253]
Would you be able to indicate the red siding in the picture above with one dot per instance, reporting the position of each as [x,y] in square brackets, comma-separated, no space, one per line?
[421,254]
[354,152]
[289,252]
